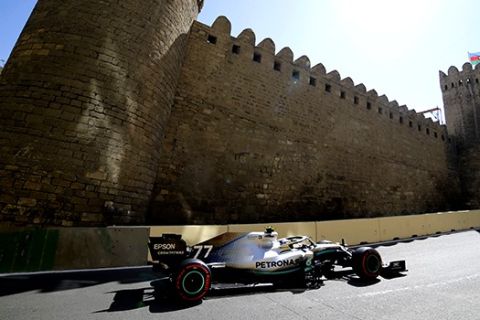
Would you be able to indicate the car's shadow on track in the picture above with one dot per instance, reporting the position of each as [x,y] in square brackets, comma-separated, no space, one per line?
[158,297]
[349,277]
[156,302]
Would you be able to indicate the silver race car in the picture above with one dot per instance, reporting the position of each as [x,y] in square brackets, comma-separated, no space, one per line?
[259,257]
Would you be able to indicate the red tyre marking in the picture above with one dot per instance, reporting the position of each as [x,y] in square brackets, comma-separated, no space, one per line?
[178,282]
[364,264]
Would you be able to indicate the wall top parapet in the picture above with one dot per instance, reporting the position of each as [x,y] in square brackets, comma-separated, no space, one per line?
[462,79]
[265,52]
[453,71]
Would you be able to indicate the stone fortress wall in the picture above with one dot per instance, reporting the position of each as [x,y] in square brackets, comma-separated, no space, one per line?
[84,99]
[461,98]
[256,136]
[133,113]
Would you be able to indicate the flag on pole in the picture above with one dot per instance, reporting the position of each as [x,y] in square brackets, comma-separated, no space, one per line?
[474,58]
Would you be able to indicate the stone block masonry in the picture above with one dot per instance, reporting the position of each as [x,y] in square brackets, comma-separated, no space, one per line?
[255,136]
[84,100]
[461,98]
[130,112]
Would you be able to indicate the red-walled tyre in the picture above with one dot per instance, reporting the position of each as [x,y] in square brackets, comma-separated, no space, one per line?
[192,280]
[366,263]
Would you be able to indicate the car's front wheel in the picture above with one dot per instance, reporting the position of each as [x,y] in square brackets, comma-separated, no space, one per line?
[192,280]
[366,263]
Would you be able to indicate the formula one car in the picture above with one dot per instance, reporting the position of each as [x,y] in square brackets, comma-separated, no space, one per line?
[258,257]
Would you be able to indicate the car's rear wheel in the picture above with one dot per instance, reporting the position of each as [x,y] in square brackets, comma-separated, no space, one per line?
[192,280]
[366,263]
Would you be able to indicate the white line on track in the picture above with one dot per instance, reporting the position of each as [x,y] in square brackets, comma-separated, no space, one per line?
[423,286]
[417,287]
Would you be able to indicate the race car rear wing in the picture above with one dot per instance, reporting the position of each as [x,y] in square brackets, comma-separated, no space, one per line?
[168,249]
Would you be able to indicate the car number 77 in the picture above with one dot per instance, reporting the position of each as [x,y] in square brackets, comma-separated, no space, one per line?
[206,251]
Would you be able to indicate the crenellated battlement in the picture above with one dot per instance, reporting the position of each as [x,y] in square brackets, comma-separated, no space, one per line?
[461,99]
[457,78]
[300,71]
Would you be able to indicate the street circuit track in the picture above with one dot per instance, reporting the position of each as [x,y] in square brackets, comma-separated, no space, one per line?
[442,283]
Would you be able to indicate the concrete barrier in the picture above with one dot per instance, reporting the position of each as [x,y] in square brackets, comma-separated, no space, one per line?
[85,248]
[472,219]
[284,229]
[353,231]
[29,249]
[191,234]
[445,222]
[391,228]
[26,250]
[196,234]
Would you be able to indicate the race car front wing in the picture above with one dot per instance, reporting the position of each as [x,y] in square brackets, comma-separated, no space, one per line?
[394,267]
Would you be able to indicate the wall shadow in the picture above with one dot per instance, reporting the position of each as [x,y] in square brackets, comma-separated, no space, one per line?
[60,281]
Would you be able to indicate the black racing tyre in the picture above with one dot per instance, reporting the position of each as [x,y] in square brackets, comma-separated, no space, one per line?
[366,263]
[192,280]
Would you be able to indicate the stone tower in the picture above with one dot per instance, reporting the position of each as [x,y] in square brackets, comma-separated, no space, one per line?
[84,99]
[461,98]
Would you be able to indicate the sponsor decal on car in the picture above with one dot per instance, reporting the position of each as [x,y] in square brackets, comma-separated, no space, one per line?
[276,264]
[173,248]
[164,246]
[165,253]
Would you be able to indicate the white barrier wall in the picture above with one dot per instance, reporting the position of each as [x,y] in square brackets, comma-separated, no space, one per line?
[355,231]
[191,234]
[352,231]
[284,229]
[78,248]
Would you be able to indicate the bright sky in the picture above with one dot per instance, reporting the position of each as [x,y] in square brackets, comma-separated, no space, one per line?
[395,47]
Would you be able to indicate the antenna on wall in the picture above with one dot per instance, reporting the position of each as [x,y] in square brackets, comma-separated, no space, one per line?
[434,113]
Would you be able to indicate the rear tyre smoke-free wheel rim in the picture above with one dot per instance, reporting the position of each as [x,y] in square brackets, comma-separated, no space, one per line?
[192,281]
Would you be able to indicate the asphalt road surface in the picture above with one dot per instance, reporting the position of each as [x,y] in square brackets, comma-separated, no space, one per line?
[443,282]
